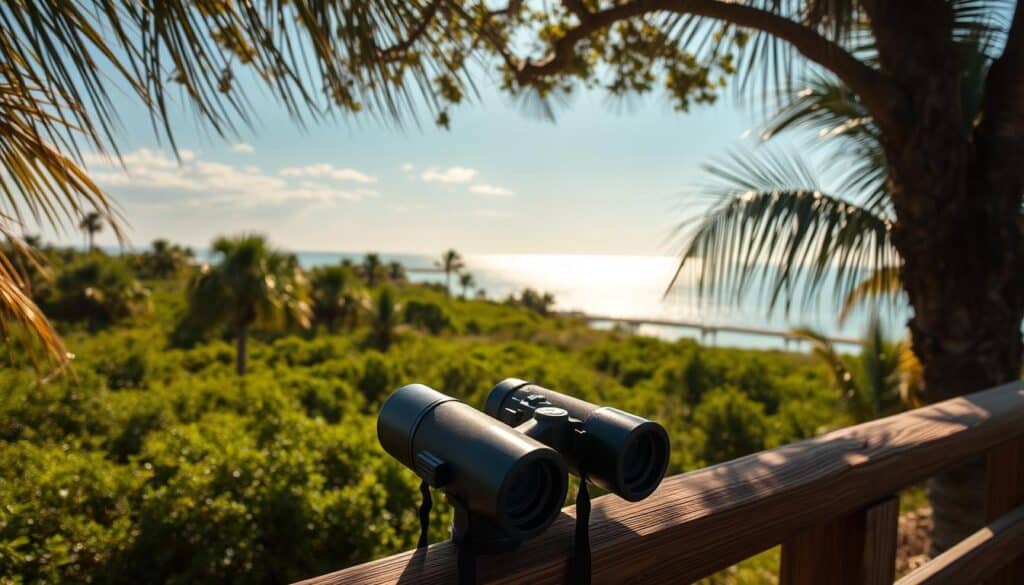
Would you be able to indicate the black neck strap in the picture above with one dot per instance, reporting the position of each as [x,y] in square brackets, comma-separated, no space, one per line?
[424,514]
[579,567]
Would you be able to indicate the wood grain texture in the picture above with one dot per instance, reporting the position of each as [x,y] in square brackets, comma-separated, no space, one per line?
[977,558]
[1004,492]
[700,522]
[856,549]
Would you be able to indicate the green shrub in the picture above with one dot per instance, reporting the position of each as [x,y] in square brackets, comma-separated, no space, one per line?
[731,423]
[66,513]
[98,290]
[427,315]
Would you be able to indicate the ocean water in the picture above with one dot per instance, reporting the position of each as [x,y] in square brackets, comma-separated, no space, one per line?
[634,287]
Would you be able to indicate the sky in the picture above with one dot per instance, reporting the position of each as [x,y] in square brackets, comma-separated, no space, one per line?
[598,180]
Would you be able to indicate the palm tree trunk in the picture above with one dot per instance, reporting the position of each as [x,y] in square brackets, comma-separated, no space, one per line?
[241,350]
[447,282]
[956,190]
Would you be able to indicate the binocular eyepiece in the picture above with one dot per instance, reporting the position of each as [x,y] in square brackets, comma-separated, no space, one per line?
[507,474]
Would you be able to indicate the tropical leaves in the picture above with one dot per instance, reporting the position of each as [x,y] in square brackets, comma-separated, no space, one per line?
[882,380]
[771,226]
[882,285]
[21,321]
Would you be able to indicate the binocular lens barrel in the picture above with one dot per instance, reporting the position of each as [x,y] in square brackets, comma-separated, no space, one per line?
[514,481]
[621,452]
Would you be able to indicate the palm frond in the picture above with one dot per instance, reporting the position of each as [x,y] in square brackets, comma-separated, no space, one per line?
[21,320]
[772,227]
[883,284]
[842,379]
[838,118]
[981,19]
[880,366]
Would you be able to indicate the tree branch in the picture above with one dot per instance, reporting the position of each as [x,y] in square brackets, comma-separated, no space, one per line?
[867,82]
[396,50]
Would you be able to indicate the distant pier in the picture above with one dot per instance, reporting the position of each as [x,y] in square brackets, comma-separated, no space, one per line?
[705,329]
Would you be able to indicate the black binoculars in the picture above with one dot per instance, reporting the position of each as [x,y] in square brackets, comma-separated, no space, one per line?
[506,474]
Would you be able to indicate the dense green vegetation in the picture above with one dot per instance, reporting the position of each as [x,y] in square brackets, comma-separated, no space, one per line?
[151,460]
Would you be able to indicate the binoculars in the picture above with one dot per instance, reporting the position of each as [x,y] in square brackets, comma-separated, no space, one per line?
[505,470]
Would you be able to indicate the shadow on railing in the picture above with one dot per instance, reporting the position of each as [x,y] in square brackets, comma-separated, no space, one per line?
[828,501]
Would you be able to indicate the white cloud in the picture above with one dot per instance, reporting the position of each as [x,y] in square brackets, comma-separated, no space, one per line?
[243,147]
[327,171]
[491,190]
[449,175]
[216,183]
[407,168]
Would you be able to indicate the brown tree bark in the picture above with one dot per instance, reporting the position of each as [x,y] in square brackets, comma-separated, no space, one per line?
[957,198]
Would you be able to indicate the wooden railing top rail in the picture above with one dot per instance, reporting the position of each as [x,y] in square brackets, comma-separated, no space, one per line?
[703,521]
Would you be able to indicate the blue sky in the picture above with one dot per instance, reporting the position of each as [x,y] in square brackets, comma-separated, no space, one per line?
[597,181]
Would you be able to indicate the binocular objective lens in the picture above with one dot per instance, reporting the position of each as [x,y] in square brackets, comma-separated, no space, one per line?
[532,495]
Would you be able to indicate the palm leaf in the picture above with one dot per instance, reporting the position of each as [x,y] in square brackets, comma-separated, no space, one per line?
[771,227]
[20,319]
[882,284]
[881,370]
[842,379]
[836,117]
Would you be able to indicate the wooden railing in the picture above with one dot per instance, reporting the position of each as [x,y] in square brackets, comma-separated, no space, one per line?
[829,501]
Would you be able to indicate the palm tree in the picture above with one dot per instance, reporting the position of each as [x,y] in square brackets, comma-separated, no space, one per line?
[251,285]
[451,262]
[373,269]
[91,224]
[385,319]
[336,296]
[773,227]
[467,282]
[165,259]
[884,379]
[396,272]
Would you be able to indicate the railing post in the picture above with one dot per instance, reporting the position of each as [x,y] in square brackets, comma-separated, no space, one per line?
[859,548]
[1005,491]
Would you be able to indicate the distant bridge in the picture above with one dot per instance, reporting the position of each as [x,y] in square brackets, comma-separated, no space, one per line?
[704,328]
